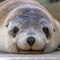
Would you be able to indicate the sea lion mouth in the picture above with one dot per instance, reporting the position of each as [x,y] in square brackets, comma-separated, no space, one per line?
[30,51]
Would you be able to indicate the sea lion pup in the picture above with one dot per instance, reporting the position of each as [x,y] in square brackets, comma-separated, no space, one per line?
[27,27]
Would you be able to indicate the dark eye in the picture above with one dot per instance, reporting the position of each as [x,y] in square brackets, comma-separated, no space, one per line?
[46,31]
[15,30]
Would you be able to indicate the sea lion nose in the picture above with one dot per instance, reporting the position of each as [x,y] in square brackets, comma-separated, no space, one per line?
[30,40]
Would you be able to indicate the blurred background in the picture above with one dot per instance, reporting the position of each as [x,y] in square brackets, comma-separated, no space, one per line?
[53,7]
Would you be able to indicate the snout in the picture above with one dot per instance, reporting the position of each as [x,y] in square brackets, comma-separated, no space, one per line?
[31,40]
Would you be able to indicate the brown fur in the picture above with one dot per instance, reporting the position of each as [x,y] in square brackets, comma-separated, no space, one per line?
[8,5]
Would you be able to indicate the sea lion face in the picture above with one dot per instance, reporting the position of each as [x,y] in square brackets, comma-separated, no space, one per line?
[29,29]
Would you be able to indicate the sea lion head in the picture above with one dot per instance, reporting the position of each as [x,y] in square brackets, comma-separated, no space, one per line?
[29,28]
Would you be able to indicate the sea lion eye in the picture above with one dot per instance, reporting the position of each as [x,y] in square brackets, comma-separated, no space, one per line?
[15,30]
[46,31]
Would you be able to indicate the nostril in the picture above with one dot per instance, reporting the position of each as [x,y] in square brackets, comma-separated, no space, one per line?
[31,40]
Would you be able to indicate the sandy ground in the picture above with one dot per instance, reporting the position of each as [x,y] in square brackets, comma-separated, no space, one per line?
[51,56]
